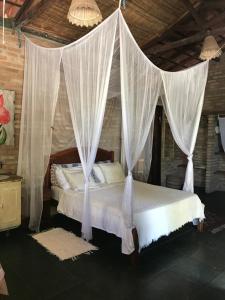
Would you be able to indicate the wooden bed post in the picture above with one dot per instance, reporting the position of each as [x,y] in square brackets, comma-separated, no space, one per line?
[135,255]
[200,226]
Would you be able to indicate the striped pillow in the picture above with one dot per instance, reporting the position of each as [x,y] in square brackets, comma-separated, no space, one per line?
[54,180]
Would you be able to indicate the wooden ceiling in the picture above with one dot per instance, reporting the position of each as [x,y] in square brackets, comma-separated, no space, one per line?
[11,7]
[170,32]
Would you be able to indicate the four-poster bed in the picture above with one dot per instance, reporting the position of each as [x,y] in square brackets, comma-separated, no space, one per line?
[156,204]
[88,67]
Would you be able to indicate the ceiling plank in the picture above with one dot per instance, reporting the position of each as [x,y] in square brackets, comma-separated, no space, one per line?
[35,11]
[25,6]
[149,44]
[194,14]
[183,42]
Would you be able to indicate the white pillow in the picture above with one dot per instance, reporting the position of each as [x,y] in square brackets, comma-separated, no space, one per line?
[76,179]
[61,179]
[112,172]
[98,174]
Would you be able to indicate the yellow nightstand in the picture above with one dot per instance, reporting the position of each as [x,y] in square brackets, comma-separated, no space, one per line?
[10,202]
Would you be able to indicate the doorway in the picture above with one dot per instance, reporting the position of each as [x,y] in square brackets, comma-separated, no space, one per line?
[155,170]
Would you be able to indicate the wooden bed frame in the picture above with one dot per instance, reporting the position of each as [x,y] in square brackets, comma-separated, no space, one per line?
[72,156]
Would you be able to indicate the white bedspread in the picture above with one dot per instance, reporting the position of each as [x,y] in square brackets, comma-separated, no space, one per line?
[158,211]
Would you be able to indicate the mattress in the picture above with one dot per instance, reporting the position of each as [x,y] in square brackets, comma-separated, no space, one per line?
[158,211]
[56,192]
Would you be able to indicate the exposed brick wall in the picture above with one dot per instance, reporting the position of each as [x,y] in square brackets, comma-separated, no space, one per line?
[11,64]
[12,69]
[215,88]
[111,131]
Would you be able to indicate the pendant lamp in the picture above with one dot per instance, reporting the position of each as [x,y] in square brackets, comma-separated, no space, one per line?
[84,13]
[210,48]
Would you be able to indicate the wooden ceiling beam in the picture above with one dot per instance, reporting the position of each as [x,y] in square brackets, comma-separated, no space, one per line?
[35,11]
[216,4]
[187,61]
[149,44]
[182,61]
[12,3]
[194,14]
[46,35]
[25,6]
[186,28]
[166,60]
[186,41]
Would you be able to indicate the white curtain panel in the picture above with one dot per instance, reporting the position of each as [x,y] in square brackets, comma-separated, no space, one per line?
[63,134]
[222,131]
[114,81]
[40,91]
[142,168]
[140,86]
[183,101]
[147,153]
[87,67]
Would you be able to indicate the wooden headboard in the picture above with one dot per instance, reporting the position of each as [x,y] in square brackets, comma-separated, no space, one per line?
[72,156]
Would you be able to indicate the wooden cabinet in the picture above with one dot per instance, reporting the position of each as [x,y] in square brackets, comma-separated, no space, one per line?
[10,203]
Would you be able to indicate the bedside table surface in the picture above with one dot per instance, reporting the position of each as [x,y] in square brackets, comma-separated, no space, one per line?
[11,178]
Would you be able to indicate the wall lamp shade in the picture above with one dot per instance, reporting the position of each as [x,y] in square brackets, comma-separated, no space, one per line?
[84,13]
[210,48]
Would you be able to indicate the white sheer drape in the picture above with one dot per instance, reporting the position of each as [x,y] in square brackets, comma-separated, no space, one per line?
[183,101]
[40,91]
[63,134]
[140,86]
[143,165]
[87,71]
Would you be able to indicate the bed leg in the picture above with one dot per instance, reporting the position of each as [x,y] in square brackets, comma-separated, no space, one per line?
[135,255]
[200,226]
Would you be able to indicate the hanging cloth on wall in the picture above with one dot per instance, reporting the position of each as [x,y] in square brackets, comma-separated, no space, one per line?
[222,131]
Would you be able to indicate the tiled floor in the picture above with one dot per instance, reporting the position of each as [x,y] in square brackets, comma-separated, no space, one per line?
[187,265]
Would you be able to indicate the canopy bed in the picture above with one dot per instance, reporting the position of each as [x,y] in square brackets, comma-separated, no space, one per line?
[158,211]
[105,63]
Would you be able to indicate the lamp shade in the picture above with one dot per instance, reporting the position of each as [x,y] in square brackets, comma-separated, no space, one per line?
[84,13]
[210,48]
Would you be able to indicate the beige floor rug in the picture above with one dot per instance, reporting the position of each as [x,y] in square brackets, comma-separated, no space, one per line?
[63,244]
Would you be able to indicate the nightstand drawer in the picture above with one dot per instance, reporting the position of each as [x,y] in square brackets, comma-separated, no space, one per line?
[10,204]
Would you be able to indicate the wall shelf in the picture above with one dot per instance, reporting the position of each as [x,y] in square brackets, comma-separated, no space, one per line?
[219,153]
[200,167]
[195,167]
[221,172]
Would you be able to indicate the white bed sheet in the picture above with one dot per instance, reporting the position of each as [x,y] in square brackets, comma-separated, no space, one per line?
[158,211]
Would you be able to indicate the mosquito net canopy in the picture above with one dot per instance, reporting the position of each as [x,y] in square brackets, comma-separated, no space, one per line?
[75,81]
